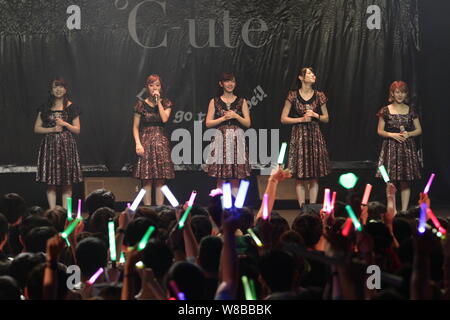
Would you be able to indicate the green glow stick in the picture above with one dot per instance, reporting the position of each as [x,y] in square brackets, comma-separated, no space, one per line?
[112,241]
[252,287]
[143,243]
[69,209]
[184,217]
[352,215]
[67,241]
[247,289]
[122,257]
[70,228]
[384,174]
[255,238]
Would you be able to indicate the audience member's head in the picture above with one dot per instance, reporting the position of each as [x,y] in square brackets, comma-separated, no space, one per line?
[91,254]
[136,230]
[3,231]
[246,219]
[309,226]
[277,269]
[98,222]
[57,216]
[98,199]
[34,285]
[9,288]
[22,265]
[375,210]
[13,207]
[29,224]
[210,249]
[36,240]
[36,210]
[201,227]
[189,279]
[157,256]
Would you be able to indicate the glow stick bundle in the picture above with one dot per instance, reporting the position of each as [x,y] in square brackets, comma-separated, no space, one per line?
[227,200]
[79,209]
[69,209]
[143,243]
[94,278]
[352,215]
[347,227]
[192,198]
[184,217]
[137,200]
[430,181]
[112,241]
[384,174]
[265,212]
[170,197]
[282,153]
[422,218]
[366,196]
[255,238]
[242,194]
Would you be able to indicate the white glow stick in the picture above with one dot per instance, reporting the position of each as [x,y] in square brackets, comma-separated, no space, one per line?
[227,200]
[366,196]
[169,195]
[326,200]
[242,194]
[192,198]
[282,153]
[265,206]
[138,200]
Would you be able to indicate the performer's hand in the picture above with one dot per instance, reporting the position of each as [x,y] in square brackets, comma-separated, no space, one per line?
[398,137]
[61,123]
[405,134]
[157,96]
[57,129]
[304,119]
[227,116]
[140,150]
[311,114]
[232,114]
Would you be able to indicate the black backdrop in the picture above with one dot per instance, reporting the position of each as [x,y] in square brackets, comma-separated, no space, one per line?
[106,68]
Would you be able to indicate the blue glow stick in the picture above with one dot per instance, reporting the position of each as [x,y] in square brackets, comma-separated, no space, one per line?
[138,200]
[422,217]
[242,194]
[227,200]
[169,195]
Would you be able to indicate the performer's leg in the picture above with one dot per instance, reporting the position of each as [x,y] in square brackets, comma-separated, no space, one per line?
[51,196]
[66,193]
[406,193]
[147,185]
[234,187]
[313,190]
[301,193]
[158,193]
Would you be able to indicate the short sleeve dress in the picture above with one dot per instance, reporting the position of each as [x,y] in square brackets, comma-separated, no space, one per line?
[228,154]
[156,163]
[308,155]
[399,158]
[58,160]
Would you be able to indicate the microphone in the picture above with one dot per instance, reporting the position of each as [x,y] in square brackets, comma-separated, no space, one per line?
[156,97]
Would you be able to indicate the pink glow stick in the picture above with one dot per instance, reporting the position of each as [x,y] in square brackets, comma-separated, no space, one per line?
[430,181]
[265,206]
[366,196]
[79,209]
[326,199]
[192,198]
[333,201]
